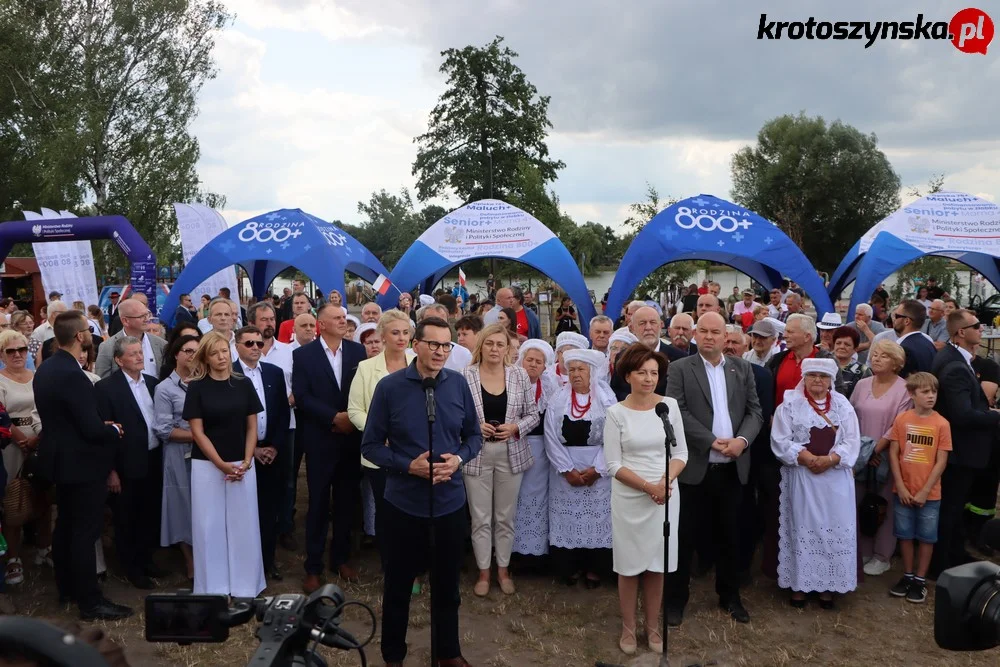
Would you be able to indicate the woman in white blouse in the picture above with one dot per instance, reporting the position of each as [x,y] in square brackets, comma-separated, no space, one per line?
[635,451]
[579,486]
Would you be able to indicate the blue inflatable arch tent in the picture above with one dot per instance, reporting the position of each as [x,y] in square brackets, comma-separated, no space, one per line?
[271,242]
[488,229]
[956,225]
[708,228]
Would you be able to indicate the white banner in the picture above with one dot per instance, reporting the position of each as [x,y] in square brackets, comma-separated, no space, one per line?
[67,267]
[486,227]
[944,222]
[199,224]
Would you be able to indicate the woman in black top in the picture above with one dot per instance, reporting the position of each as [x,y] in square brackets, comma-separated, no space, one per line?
[221,408]
[566,316]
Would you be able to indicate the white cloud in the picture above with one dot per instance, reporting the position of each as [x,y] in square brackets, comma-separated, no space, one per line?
[323,16]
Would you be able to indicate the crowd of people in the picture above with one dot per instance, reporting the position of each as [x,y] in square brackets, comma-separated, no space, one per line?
[782,435]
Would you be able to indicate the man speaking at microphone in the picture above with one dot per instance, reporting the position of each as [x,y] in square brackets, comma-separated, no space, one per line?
[396,439]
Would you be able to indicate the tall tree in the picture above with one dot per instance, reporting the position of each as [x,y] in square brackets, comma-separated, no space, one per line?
[391,224]
[105,92]
[488,120]
[823,185]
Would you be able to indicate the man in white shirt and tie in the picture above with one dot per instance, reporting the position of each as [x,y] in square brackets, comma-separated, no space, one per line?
[272,436]
[136,479]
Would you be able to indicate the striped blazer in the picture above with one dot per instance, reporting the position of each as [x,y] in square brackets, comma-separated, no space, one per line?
[521,410]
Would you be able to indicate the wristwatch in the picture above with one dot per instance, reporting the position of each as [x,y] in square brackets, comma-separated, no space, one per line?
[460,461]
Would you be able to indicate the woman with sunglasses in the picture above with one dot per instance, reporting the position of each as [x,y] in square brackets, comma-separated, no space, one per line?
[17,394]
[175,433]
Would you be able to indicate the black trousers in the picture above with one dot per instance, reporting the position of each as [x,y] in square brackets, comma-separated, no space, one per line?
[376,477]
[270,490]
[290,460]
[78,525]
[758,513]
[407,552]
[956,482]
[713,506]
[137,511]
[339,482]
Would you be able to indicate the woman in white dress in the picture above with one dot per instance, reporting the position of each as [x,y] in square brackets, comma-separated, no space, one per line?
[579,485]
[634,447]
[816,437]
[531,524]
[567,340]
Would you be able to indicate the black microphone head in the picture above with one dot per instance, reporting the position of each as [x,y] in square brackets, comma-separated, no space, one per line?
[662,409]
[429,383]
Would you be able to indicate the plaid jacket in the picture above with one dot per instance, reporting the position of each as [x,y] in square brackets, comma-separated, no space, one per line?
[521,410]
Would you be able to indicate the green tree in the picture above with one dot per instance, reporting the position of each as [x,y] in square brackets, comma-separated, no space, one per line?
[675,273]
[488,120]
[391,224]
[105,92]
[915,274]
[823,185]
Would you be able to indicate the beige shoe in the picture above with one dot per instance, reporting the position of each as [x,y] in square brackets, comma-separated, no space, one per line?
[627,642]
[654,639]
[482,588]
[507,586]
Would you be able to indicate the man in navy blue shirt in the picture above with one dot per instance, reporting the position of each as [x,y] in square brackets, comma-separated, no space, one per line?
[398,416]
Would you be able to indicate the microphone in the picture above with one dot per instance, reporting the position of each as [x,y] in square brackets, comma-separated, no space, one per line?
[663,412]
[428,384]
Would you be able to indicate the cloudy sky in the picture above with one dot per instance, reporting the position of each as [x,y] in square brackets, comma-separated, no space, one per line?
[317,102]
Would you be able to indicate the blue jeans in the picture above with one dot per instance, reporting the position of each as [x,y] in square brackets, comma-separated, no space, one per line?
[916,523]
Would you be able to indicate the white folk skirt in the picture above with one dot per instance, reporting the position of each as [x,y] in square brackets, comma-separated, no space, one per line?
[225,533]
[531,536]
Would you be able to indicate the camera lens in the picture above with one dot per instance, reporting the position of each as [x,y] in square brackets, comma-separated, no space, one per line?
[984,605]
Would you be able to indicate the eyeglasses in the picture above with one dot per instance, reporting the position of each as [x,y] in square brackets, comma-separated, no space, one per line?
[11,351]
[189,351]
[251,343]
[974,325]
[435,346]
[144,316]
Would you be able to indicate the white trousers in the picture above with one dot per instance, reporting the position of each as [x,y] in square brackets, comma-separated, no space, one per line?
[493,505]
[225,533]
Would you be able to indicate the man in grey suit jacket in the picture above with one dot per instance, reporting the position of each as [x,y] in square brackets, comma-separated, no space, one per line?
[718,400]
[134,315]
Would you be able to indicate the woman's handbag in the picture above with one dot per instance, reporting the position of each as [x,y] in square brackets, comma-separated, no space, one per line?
[873,508]
[18,501]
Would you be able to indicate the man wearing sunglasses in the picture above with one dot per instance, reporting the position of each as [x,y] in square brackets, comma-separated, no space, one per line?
[134,315]
[907,321]
[973,433]
[272,437]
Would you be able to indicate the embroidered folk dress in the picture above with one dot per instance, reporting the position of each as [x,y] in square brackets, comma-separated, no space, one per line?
[817,533]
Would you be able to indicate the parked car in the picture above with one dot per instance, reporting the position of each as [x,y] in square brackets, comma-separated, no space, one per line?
[162,290]
[987,311]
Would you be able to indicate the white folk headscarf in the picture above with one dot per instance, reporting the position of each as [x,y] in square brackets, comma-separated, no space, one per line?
[550,383]
[367,326]
[601,395]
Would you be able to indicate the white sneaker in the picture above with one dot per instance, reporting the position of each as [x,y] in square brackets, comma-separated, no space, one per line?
[876,567]
[866,559]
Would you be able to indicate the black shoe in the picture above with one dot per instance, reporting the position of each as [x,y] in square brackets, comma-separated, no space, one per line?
[798,604]
[826,604]
[275,575]
[142,582]
[108,602]
[155,572]
[104,611]
[675,616]
[591,584]
[288,542]
[901,588]
[736,610]
[917,592]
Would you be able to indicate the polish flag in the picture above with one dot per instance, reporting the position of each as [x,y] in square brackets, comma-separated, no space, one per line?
[381,284]
[461,277]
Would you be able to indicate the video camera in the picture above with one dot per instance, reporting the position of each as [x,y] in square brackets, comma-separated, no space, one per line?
[288,624]
[967,602]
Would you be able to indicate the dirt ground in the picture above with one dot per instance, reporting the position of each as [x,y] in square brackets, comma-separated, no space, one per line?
[546,623]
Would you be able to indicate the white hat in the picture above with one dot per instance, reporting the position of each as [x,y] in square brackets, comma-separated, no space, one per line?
[592,357]
[426,299]
[826,366]
[367,326]
[537,344]
[572,339]
[830,321]
[357,322]
[622,335]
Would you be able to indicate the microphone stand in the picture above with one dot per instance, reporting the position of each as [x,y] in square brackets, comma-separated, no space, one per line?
[431,418]
[669,442]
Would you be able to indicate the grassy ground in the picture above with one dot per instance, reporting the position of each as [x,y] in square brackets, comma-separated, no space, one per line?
[546,623]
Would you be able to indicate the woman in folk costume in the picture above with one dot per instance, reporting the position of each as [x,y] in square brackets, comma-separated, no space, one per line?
[579,485]
[567,340]
[531,525]
[617,344]
[816,437]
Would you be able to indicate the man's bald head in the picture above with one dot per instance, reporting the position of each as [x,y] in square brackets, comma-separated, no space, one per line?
[505,297]
[129,308]
[140,297]
[708,303]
